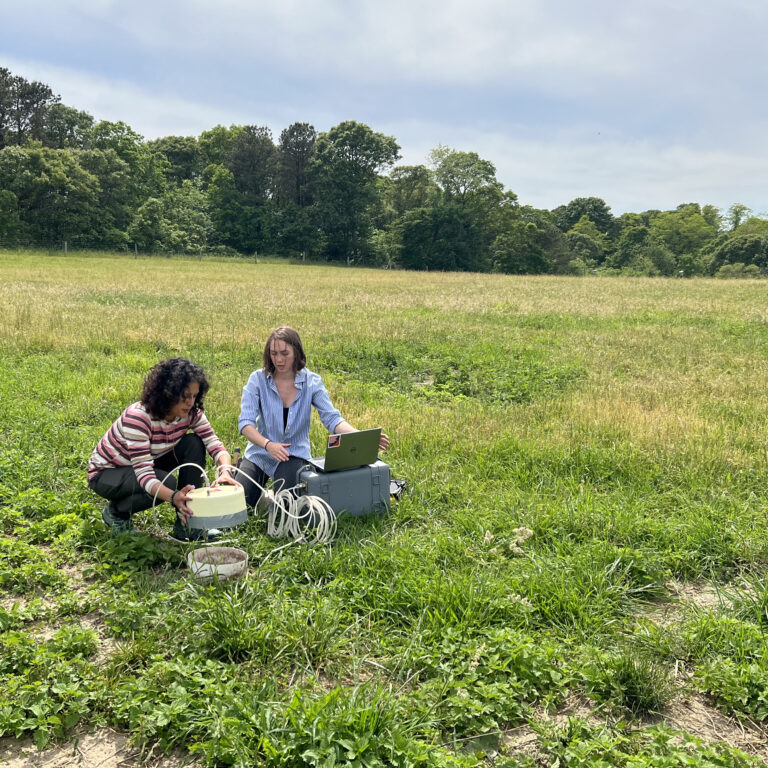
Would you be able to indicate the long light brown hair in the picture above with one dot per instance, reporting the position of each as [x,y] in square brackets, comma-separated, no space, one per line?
[291,337]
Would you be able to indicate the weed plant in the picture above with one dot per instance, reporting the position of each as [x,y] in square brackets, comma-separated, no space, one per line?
[570,447]
[578,744]
[629,680]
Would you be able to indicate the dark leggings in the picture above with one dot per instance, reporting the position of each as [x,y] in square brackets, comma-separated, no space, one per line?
[120,486]
[286,471]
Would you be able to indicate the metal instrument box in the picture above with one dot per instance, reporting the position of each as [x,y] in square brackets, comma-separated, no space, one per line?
[359,492]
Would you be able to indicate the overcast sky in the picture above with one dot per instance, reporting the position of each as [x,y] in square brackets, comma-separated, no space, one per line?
[647,104]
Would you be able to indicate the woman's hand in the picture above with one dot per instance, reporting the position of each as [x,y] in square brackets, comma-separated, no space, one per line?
[225,477]
[179,501]
[384,441]
[278,451]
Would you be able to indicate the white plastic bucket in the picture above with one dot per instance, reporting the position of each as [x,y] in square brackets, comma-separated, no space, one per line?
[222,563]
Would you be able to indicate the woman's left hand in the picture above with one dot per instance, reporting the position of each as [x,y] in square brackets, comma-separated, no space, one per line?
[384,441]
[225,477]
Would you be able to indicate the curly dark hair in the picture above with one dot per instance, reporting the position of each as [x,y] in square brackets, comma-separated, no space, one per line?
[291,337]
[167,382]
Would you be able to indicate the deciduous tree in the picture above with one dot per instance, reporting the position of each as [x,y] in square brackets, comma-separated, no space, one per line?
[344,167]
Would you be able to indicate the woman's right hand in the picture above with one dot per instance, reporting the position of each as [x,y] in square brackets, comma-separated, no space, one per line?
[180,503]
[278,451]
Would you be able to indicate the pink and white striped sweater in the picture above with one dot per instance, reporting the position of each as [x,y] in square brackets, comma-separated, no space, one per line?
[136,439]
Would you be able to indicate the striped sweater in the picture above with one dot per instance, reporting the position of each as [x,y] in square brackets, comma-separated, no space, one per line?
[136,439]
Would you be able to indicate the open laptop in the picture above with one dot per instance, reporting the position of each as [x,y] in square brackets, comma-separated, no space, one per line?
[349,450]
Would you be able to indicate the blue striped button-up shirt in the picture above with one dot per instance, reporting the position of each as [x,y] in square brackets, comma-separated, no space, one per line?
[262,407]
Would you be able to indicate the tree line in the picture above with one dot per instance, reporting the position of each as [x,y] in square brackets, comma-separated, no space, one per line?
[336,195]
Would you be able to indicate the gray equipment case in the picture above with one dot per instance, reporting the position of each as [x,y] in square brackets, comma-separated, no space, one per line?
[360,491]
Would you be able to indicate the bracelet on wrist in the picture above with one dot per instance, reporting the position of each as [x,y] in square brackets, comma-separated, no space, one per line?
[266,444]
[173,496]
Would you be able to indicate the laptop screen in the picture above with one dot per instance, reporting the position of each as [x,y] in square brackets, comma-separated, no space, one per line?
[350,449]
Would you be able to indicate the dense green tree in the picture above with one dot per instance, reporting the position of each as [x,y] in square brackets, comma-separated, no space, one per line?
[147,170]
[225,209]
[188,224]
[712,216]
[116,197]
[216,144]
[594,208]
[743,249]
[149,228]
[463,174]
[293,228]
[252,159]
[685,230]
[632,239]
[641,251]
[443,237]
[57,199]
[587,242]
[517,250]
[344,170]
[754,225]
[66,127]
[182,156]
[23,108]
[294,155]
[551,239]
[6,98]
[587,250]
[411,186]
[585,226]
[11,227]
[736,214]
[295,231]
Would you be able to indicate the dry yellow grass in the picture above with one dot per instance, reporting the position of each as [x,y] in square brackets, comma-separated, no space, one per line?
[665,362]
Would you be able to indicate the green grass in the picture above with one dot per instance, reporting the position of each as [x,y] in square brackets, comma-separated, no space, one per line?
[571,447]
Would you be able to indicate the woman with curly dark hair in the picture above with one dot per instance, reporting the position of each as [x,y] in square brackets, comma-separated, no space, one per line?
[166,428]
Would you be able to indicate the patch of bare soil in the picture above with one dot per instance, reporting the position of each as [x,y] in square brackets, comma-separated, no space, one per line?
[701,595]
[7,603]
[523,741]
[102,749]
[696,716]
[692,714]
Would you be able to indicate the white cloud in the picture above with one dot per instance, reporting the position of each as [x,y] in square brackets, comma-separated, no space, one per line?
[629,174]
[645,103]
[150,113]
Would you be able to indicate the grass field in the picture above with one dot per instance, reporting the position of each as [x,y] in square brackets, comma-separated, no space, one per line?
[579,559]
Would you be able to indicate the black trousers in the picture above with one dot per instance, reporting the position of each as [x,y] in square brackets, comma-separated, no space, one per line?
[122,489]
[286,471]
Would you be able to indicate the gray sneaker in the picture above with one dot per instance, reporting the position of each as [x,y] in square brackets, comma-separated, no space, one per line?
[116,524]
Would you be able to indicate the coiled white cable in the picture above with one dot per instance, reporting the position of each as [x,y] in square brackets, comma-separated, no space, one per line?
[306,518]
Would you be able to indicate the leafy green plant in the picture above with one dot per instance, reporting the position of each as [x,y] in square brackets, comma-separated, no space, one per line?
[73,641]
[489,680]
[134,553]
[25,568]
[737,688]
[46,688]
[18,614]
[578,744]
